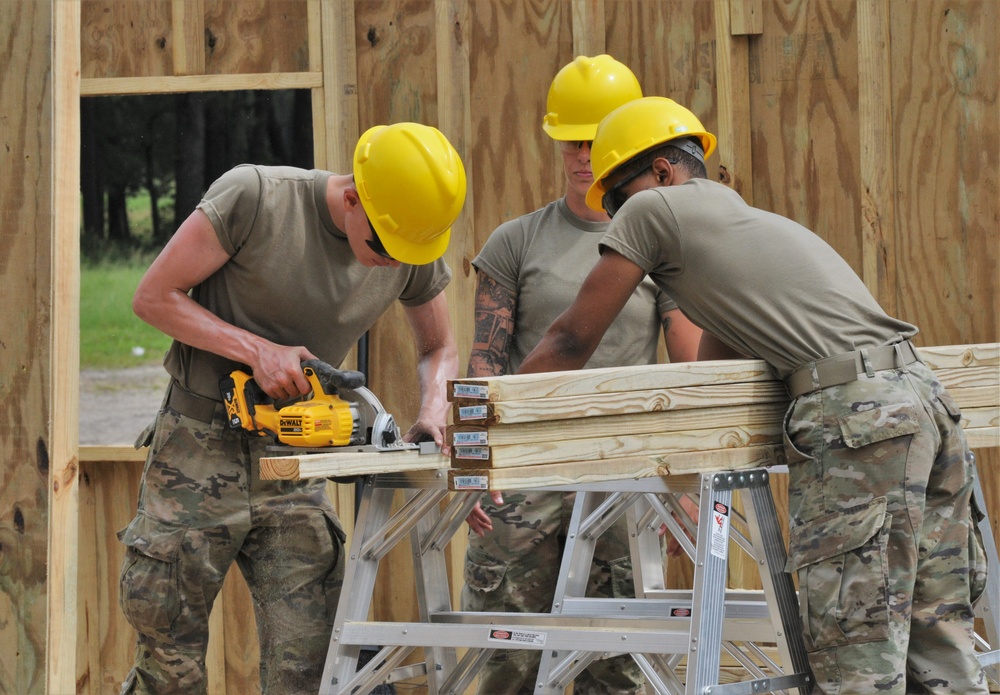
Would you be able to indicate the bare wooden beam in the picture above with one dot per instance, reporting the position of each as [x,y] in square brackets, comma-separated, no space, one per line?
[618,403]
[746,17]
[878,190]
[732,74]
[589,28]
[188,25]
[337,464]
[591,382]
[583,472]
[615,447]
[64,432]
[619,425]
[106,86]
[340,84]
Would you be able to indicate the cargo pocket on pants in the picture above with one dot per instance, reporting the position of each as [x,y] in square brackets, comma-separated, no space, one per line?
[484,576]
[843,576]
[149,583]
[978,566]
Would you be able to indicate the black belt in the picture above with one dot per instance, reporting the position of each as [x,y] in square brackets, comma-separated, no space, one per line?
[842,369]
[191,404]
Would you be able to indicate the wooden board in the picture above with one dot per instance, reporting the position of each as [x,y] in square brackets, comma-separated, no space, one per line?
[593,382]
[616,447]
[620,403]
[616,425]
[628,467]
[338,464]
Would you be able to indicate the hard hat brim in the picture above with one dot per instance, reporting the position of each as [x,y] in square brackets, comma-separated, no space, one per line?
[594,195]
[571,132]
[405,251]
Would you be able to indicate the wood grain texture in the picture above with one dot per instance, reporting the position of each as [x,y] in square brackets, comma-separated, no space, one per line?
[803,105]
[594,382]
[26,257]
[946,72]
[253,36]
[108,494]
[671,47]
[63,434]
[623,468]
[609,380]
[338,464]
[608,404]
[545,430]
[126,39]
[396,68]
[188,23]
[878,209]
[599,448]
[103,86]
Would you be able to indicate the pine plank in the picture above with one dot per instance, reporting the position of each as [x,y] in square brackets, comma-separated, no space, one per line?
[615,446]
[683,374]
[620,425]
[983,437]
[634,467]
[589,382]
[337,464]
[651,400]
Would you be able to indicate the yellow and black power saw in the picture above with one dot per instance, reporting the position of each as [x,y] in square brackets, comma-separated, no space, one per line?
[339,412]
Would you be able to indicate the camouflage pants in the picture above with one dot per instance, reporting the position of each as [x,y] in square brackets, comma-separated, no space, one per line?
[880,481]
[514,569]
[202,505]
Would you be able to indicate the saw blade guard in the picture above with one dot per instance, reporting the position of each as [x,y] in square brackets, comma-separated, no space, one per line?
[375,426]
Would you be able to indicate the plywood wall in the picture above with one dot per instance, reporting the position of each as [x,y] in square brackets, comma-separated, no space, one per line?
[873,122]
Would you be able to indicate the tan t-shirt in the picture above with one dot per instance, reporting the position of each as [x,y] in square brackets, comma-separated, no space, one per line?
[292,277]
[763,284]
[544,257]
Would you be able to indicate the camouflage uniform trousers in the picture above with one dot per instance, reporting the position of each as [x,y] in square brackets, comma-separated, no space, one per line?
[889,560]
[514,569]
[202,505]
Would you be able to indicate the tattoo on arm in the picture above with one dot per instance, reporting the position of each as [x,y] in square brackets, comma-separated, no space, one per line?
[495,306]
[665,320]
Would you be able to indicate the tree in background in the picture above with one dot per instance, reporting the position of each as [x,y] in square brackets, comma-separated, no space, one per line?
[171,147]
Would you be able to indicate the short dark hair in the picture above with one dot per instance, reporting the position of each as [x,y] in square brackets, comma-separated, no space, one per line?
[693,166]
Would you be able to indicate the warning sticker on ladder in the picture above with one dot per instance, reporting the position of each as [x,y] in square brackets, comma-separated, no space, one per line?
[720,530]
[517,637]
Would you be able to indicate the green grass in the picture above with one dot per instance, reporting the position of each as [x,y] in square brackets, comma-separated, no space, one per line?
[109,331]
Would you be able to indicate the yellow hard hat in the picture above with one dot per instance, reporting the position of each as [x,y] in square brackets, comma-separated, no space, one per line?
[412,186]
[636,127]
[585,91]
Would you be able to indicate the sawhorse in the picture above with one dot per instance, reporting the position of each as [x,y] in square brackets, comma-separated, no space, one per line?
[660,629]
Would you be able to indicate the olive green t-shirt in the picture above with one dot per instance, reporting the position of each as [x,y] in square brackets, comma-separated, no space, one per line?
[291,277]
[763,284]
[544,257]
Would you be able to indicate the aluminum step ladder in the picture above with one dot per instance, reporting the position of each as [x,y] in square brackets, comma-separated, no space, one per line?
[678,638]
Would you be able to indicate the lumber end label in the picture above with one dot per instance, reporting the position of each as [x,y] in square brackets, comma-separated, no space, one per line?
[459,481]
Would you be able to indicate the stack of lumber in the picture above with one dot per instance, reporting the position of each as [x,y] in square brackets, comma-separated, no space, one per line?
[534,430]
[581,426]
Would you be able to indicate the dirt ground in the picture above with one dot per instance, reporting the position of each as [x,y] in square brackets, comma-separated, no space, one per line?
[116,405]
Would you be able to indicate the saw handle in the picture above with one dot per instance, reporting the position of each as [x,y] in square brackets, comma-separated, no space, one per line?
[331,380]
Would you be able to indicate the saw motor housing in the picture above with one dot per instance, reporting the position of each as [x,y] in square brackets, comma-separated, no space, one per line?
[322,420]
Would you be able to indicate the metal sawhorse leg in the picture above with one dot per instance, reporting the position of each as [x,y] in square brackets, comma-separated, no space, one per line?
[712,618]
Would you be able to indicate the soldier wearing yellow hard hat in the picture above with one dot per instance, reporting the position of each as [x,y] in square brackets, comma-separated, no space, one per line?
[528,271]
[882,535]
[275,266]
